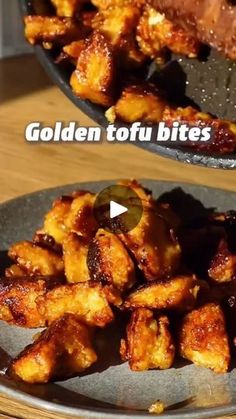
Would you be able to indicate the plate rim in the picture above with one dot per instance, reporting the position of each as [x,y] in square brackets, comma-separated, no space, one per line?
[93,412]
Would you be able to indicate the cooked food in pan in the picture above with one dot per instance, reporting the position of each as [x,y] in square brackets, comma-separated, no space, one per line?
[82,278]
[109,45]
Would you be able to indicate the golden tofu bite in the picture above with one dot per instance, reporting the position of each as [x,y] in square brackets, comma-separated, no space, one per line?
[51,30]
[36,260]
[61,351]
[54,222]
[116,22]
[74,49]
[67,8]
[47,242]
[223,264]
[18,296]
[104,4]
[154,245]
[152,242]
[118,25]
[203,338]
[143,103]
[80,218]
[87,300]
[14,271]
[94,78]
[149,343]
[75,253]
[155,33]
[178,293]
[109,261]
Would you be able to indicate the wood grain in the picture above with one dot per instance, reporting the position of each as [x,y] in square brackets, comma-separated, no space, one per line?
[26,95]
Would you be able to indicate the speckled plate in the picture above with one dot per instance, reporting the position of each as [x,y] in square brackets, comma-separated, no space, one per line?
[210,84]
[110,389]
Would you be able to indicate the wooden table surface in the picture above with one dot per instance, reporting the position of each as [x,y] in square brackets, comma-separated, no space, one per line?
[26,94]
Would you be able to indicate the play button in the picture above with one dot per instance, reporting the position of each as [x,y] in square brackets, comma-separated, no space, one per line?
[118,209]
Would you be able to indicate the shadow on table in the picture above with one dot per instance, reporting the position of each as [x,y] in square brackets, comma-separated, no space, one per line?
[20,76]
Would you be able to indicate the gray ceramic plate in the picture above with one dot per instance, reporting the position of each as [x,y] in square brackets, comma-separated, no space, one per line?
[112,390]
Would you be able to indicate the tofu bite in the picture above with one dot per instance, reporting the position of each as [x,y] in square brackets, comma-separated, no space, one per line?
[109,261]
[61,351]
[94,78]
[223,264]
[155,34]
[54,222]
[118,25]
[143,103]
[179,293]
[104,4]
[36,260]
[203,338]
[67,8]
[152,242]
[75,254]
[80,218]
[149,343]
[51,30]
[14,271]
[18,299]
[88,301]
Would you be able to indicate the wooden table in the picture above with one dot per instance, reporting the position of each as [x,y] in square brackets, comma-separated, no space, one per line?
[26,95]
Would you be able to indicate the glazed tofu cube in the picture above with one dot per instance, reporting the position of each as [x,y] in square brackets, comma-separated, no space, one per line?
[75,254]
[148,343]
[61,351]
[53,29]
[80,218]
[18,296]
[94,78]
[223,264]
[109,261]
[87,300]
[143,103]
[203,338]
[177,293]
[67,8]
[36,260]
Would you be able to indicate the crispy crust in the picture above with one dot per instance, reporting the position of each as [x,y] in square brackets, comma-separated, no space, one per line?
[59,30]
[18,299]
[36,260]
[94,77]
[67,8]
[223,265]
[179,293]
[61,351]
[155,33]
[149,343]
[87,300]
[109,261]
[80,218]
[203,338]
[75,253]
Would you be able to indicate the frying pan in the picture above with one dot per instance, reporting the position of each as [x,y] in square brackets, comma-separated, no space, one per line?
[209,83]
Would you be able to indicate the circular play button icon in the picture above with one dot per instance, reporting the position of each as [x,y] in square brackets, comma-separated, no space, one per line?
[118,209]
